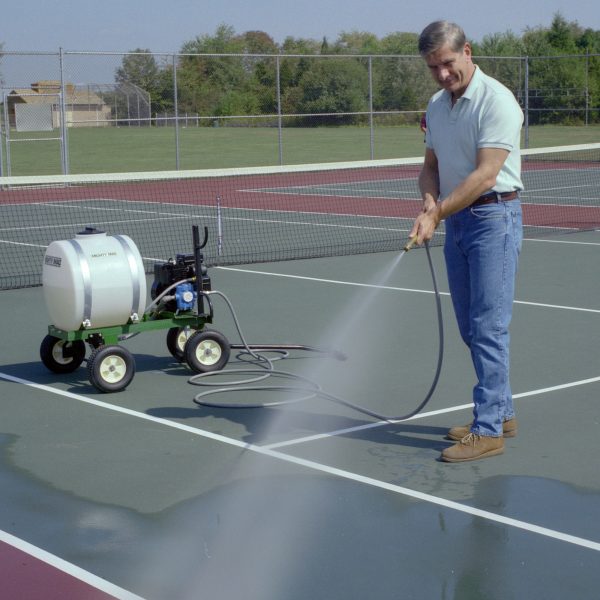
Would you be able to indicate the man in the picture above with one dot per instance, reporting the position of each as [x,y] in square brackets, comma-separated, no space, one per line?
[470,179]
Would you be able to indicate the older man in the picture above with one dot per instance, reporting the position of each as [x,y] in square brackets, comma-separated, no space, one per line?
[471,179]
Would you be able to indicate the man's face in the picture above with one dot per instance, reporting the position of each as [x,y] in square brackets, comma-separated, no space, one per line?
[451,70]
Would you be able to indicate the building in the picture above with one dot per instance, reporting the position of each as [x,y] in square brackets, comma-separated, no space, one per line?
[38,108]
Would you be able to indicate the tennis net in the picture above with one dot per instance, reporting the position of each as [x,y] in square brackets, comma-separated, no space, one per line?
[268,214]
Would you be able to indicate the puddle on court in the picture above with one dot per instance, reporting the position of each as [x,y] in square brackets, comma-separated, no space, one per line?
[268,537]
[546,502]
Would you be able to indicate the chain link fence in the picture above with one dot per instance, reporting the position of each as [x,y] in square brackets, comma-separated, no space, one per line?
[82,112]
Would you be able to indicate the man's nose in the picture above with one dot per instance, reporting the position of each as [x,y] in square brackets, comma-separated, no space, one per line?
[443,74]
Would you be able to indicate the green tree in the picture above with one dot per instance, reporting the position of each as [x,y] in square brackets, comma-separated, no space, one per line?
[356,42]
[164,92]
[293,67]
[140,68]
[226,85]
[258,42]
[226,73]
[331,85]
[400,78]
[557,77]
[500,55]
[589,41]
[400,43]
[401,83]
[261,84]
[204,81]
[562,35]
[500,44]
[589,44]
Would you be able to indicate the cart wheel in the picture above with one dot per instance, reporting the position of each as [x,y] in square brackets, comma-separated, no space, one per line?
[207,350]
[61,356]
[177,338]
[111,368]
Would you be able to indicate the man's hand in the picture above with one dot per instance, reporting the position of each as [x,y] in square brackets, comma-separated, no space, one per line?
[427,222]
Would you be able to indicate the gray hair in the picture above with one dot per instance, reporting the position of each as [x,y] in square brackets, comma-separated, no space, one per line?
[439,33]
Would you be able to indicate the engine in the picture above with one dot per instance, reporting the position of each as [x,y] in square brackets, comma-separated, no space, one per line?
[184,295]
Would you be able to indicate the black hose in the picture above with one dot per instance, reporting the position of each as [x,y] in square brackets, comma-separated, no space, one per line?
[314,390]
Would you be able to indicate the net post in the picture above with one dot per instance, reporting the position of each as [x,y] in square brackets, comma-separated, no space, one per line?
[219,228]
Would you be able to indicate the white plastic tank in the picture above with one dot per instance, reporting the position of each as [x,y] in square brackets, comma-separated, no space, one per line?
[94,280]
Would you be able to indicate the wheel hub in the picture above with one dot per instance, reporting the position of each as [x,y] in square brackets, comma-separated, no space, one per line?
[113,369]
[209,352]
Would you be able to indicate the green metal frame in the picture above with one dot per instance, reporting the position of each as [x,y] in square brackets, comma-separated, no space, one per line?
[116,333]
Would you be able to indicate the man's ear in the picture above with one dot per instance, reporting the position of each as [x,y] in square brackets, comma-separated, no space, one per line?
[467,50]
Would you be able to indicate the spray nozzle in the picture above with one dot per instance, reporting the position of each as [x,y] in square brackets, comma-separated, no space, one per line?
[411,243]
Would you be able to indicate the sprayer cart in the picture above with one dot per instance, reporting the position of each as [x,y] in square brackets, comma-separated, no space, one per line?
[95,290]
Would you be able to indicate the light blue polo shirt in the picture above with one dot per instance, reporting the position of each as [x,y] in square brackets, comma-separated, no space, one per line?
[487,115]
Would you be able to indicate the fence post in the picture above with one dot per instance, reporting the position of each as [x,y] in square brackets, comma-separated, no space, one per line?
[2,141]
[64,146]
[371,124]
[279,119]
[587,86]
[526,140]
[7,136]
[175,101]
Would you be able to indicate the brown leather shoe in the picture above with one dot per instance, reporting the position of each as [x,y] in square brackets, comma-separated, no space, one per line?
[473,447]
[509,430]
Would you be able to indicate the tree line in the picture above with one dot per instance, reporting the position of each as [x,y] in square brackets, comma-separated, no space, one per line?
[319,77]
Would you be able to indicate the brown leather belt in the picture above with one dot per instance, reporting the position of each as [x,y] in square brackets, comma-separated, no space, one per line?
[494,197]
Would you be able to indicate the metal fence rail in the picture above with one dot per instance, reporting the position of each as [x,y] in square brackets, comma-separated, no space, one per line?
[279,96]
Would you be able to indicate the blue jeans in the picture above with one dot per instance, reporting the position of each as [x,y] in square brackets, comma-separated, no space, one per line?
[482,250]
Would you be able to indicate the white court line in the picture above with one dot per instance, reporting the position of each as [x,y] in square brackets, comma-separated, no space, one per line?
[333,192]
[337,282]
[147,258]
[315,466]
[11,243]
[422,415]
[67,567]
[394,289]
[550,241]
[126,221]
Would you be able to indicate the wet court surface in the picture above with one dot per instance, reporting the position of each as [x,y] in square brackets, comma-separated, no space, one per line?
[164,499]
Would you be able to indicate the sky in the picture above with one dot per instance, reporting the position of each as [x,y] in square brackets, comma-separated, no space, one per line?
[164,26]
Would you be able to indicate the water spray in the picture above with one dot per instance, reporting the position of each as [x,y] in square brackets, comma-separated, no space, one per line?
[309,388]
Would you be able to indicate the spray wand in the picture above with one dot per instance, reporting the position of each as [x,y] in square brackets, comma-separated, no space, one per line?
[411,243]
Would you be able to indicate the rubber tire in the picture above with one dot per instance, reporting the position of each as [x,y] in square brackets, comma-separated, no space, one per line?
[175,336]
[206,351]
[52,353]
[111,368]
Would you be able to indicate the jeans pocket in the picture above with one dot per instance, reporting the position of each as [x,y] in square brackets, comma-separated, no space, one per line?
[488,211]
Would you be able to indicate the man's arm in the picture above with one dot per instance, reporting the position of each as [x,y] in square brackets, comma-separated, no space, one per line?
[429,182]
[479,181]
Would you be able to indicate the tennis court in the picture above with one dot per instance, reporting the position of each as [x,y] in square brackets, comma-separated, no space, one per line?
[269,213]
[144,493]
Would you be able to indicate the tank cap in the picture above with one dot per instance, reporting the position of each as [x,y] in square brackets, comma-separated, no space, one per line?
[89,230]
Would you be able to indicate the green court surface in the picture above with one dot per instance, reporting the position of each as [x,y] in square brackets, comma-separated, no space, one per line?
[165,499]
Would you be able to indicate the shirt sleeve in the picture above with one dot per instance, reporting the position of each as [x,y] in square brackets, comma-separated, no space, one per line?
[500,124]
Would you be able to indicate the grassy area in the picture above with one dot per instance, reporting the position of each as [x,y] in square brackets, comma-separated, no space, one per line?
[122,149]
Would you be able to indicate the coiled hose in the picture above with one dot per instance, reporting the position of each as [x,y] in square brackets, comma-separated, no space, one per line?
[309,389]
